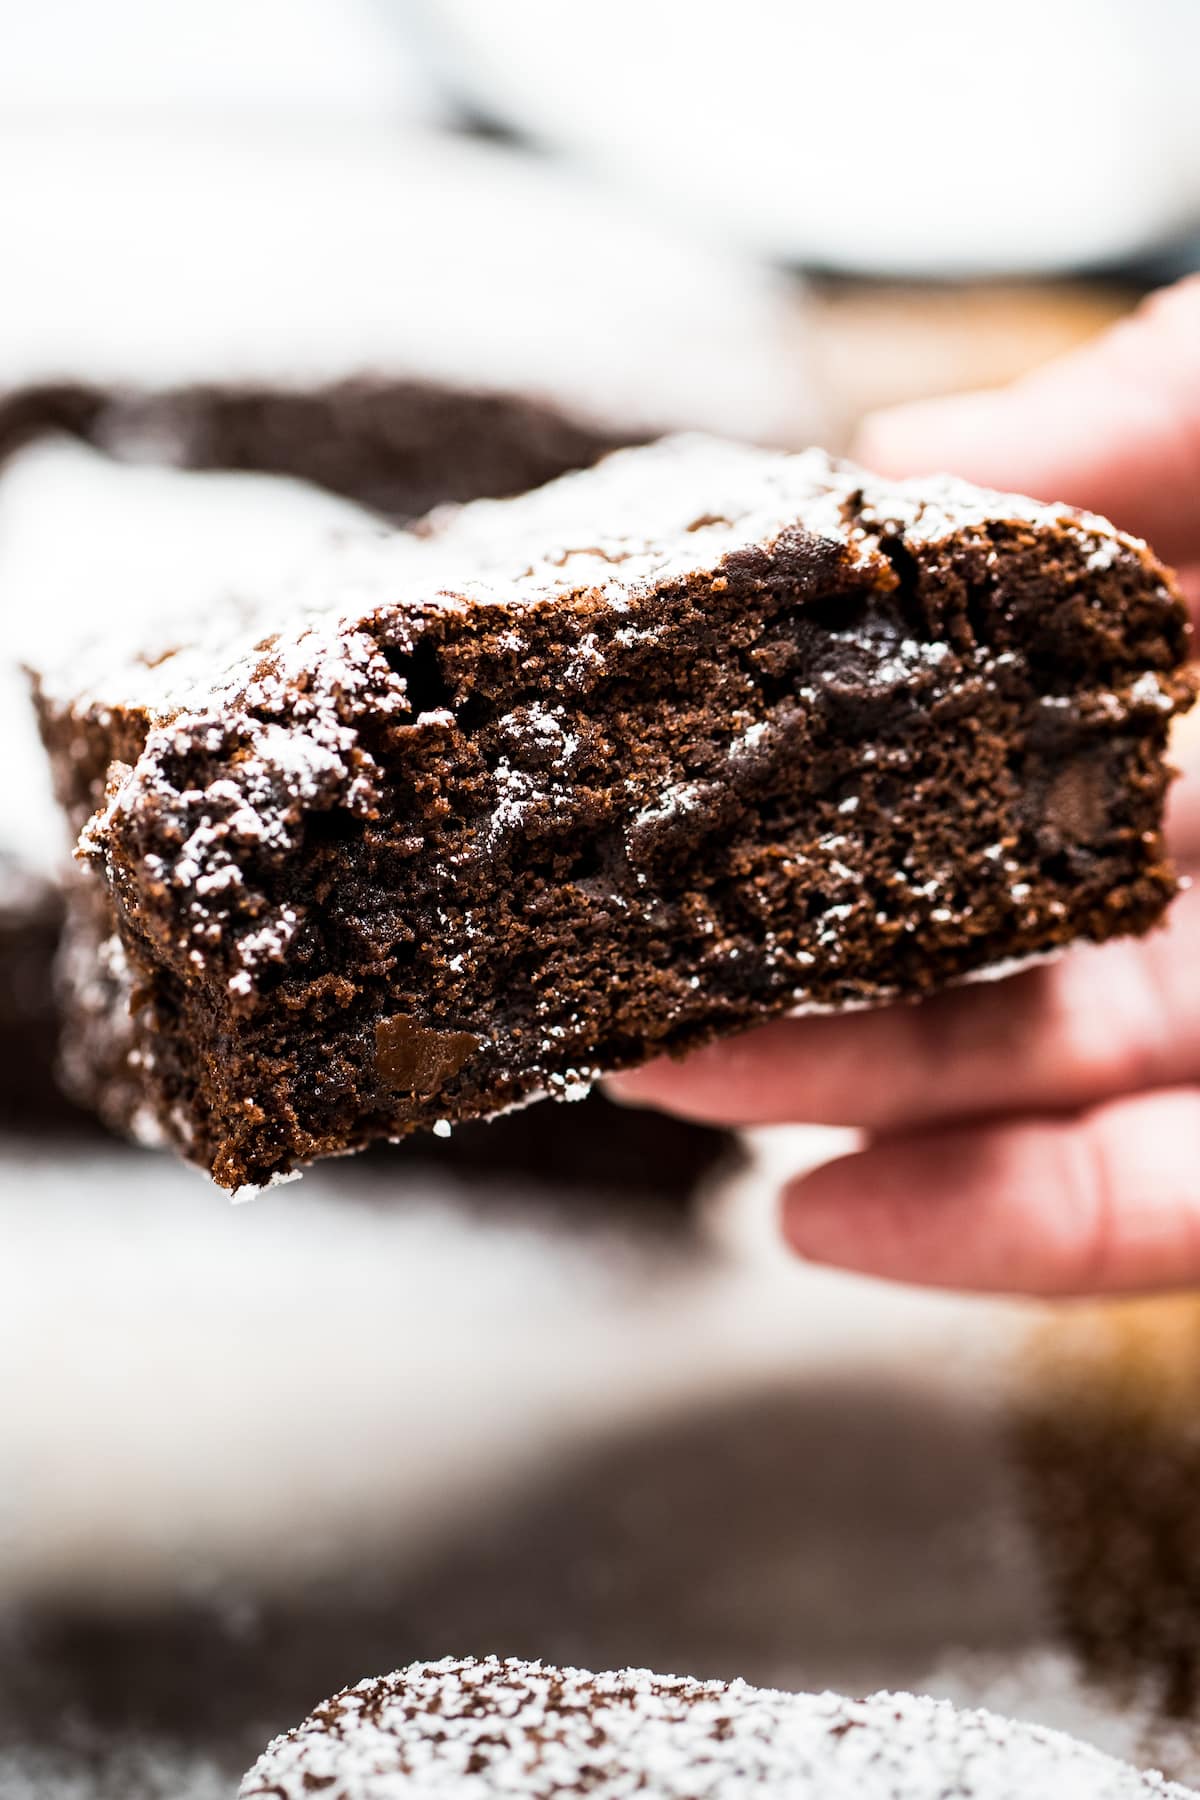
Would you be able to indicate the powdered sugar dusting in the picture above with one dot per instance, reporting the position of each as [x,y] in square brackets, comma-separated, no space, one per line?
[270,714]
[288,717]
[659,513]
[146,547]
[469,1730]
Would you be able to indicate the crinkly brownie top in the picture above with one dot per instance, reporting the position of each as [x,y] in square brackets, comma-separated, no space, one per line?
[686,510]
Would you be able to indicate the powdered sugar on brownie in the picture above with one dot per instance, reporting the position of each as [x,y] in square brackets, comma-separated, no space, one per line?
[671,511]
[97,559]
[310,652]
[467,1730]
[473,813]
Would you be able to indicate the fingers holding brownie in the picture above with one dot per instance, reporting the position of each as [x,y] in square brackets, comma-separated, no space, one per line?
[1103,1203]
[1082,1176]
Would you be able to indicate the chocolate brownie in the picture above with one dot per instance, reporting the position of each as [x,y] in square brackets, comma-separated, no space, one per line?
[531,1731]
[395,445]
[403,318]
[699,736]
[270,322]
[134,532]
[30,920]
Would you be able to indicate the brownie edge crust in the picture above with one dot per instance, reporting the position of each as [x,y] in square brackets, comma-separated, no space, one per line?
[699,736]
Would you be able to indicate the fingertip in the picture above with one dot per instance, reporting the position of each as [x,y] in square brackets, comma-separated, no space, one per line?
[1102,1202]
[689,1084]
[1112,425]
[637,1087]
[1173,308]
[983,1209]
[899,441]
[875,1213]
[815,1215]
[994,436]
[719,1082]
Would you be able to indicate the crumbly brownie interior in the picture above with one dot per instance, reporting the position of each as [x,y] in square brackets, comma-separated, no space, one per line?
[396,446]
[569,831]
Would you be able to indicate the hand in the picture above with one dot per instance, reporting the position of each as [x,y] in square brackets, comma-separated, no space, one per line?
[1041,1135]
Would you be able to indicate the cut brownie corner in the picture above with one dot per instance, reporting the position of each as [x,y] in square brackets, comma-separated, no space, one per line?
[700,736]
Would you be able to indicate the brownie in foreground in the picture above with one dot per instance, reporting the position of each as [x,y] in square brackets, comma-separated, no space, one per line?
[510,1728]
[149,543]
[699,736]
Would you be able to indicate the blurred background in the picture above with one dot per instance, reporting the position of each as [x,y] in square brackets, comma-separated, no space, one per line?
[535,1396]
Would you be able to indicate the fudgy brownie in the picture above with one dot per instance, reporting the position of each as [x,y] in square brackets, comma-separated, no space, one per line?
[269,323]
[403,318]
[398,446]
[701,735]
[30,920]
[502,1727]
[134,533]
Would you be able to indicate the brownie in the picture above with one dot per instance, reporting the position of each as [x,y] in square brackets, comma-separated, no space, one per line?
[30,920]
[594,1148]
[396,445]
[403,317]
[701,736]
[529,1731]
[495,329]
[132,529]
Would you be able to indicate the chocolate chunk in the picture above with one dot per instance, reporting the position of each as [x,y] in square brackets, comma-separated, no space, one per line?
[411,1058]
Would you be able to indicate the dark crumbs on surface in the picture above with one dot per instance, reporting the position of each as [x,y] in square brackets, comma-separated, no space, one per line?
[699,736]
[530,1731]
